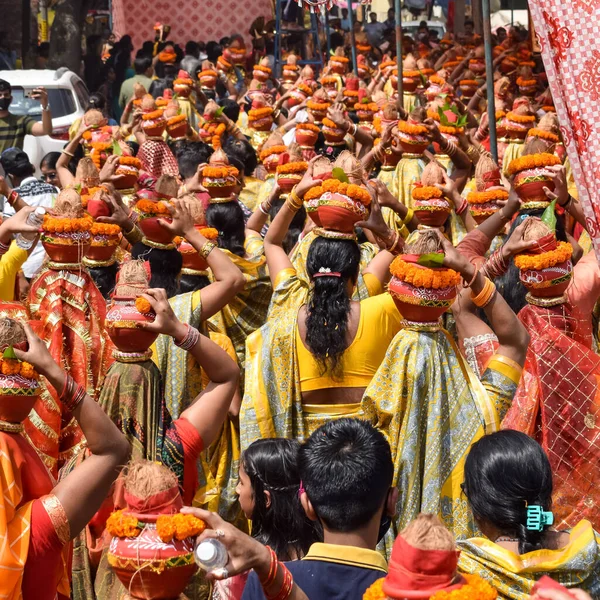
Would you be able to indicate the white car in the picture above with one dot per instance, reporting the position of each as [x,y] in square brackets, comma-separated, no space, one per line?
[68,97]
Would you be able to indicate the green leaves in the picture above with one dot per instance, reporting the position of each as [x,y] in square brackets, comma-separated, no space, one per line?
[116,148]
[549,216]
[339,174]
[9,353]
[432,260]
[219,111]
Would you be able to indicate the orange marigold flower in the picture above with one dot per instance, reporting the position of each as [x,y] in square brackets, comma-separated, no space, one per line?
[543,134]
[122,525]
[105,229]
[356,192]
[304,89]
[386,64]
[143,306]
[412,129]
[468,82]
[411,74]
[220,172]
[262,68]
[424,277]
[176,119]
[329,123]
[522,82]
[513,116]
[340,59]
[131,161]
[292,167]
[366,106]
[152,116]
[165,527]
[259,113]
[210,233]
[207,73]
[532,161]
[272,150]
[437,80]
[10,366]
[487,196]
[328,79]
[426,192]
[537,262]
[313,193]
[63,224]
[150,207]
[375,591]
[187,526]
[319,106]
[351,93]
[308,127]
[183,81]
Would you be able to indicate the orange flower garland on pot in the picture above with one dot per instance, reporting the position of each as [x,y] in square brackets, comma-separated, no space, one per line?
[153,205]
[430,206]
[484,201]
[290,173]
[105,239]
[413,137]
[531,176]
[307,134]
[127,172]
[219,177]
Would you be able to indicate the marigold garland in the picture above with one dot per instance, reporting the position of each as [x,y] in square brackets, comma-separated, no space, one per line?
[122,525]
[130,161]
[469,82]
[105,229]
[304,89]
[329,123]
[183,81]
[476,588]
[292,167]
[351,93]
[532,161]
[375,591]
[308,127]
[151,116]
[238,51]
[437,80]
[13,366]
[64,225]
[210,233]
[254,114]
[537,262]
[500,114]
[262,68]
[318,106]
[328,79]
[340,59]
[423,277]
[176,119]
[167,56]
[522,82]
[366,107]
[411,74]
[524,119]
[543,134]
[216,131]
[426,192]
[150,207]
[272,150]
[527,63]
[387,64]
[487,196]
[207,73]
[335,186]
[220,172]
[143,306]
[412,129]
[549,108]
[178,526]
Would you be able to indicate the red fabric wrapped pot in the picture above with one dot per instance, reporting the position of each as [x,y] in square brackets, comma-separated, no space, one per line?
[98,208]
[549,282]
[18,394]
[123,326]
[432,213]
[149,568]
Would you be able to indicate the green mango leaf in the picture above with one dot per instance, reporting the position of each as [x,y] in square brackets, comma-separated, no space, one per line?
[338,173]
[431,260]
[78,188]
[9,353]
[549,216]
[219,111]
[443,119]
[116,148]
[423,79]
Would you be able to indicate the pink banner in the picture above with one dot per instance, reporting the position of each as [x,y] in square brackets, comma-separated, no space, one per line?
[197,20]
[569,35]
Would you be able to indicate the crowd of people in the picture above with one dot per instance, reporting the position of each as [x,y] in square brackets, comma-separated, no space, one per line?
[307,317]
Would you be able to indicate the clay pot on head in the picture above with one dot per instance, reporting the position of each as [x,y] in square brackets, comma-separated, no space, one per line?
[123,326]
[413,144]
[333,135]
[432,213]
[409,84]
[72,252]
[208,81]
[102,247]
[305,137]
[339,217]
[154,127]
[550,282]
[178,129]
[191,258]
[530,184]
[295,98]
[286,181]
[98,208]
[17,397]
[154,231]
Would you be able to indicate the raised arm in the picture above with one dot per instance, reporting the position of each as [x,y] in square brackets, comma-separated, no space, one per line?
[277,258]
[44,127]
[65,176]
[260,215]
[82,492]
[512,335]
[229,280]
[558,174]
[209,410]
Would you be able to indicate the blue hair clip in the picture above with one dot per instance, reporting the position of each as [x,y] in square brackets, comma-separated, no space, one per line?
[538,518]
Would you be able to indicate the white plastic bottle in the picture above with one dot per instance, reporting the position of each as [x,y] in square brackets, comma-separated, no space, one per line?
[36,218]
[210,555]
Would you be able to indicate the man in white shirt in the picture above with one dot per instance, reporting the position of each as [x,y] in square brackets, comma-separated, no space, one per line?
[33,191]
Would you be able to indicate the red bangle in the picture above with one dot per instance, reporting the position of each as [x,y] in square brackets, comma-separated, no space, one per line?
[286,588]
[461,209]
[272,569]
[12,197]
[468,285]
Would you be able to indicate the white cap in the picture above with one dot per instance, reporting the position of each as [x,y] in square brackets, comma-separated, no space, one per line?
[206,552]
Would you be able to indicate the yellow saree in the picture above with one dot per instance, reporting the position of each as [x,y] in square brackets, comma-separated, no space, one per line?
[577,565]
[251,192]
[432,407]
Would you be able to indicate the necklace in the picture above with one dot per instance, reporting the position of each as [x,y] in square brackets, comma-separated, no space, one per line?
[505,538]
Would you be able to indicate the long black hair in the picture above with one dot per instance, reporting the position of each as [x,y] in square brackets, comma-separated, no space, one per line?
[192,283]
[505,472]
[328,307]
[295,228]
[165,266]
[228,219]
[272,465]
[105,278]
[509,285]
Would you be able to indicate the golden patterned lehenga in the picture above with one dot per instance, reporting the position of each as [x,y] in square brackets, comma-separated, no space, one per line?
[432,407]
[250,193]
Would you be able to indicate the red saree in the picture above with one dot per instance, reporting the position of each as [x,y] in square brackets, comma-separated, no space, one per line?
[72,311]
[558,403]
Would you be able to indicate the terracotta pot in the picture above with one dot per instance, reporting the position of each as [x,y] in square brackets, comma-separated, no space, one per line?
[337,212]
[260,75]
[17,397]
[338,67]
[149,568]
[507,66]
[296,97]
[410,84]
[468,91]
[290,75]
[191,258]
[333,135]
[66,253]
[304,137]
[318,115]
[154,231]
[422,305]
[218,191]
[208,81]
[182,89]
[430,214]
[102,252]
[127,178]
[262,125]
[270,162]
[98,208]
[413,144]
[364,115]
[480,215]
[549,282]
[530,184]
[477,66]
[154,128]
[287,181]
[178,130]
[122,325]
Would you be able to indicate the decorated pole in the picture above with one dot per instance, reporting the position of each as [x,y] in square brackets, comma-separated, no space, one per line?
[351,23]
[397,10]
[489,77]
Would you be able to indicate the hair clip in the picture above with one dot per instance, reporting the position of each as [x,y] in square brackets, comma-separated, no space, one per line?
[301,489]
[538,518]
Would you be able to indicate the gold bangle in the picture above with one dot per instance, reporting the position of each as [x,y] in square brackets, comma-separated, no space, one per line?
[70,154]
[206,249]
[410,213]
[294,201]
